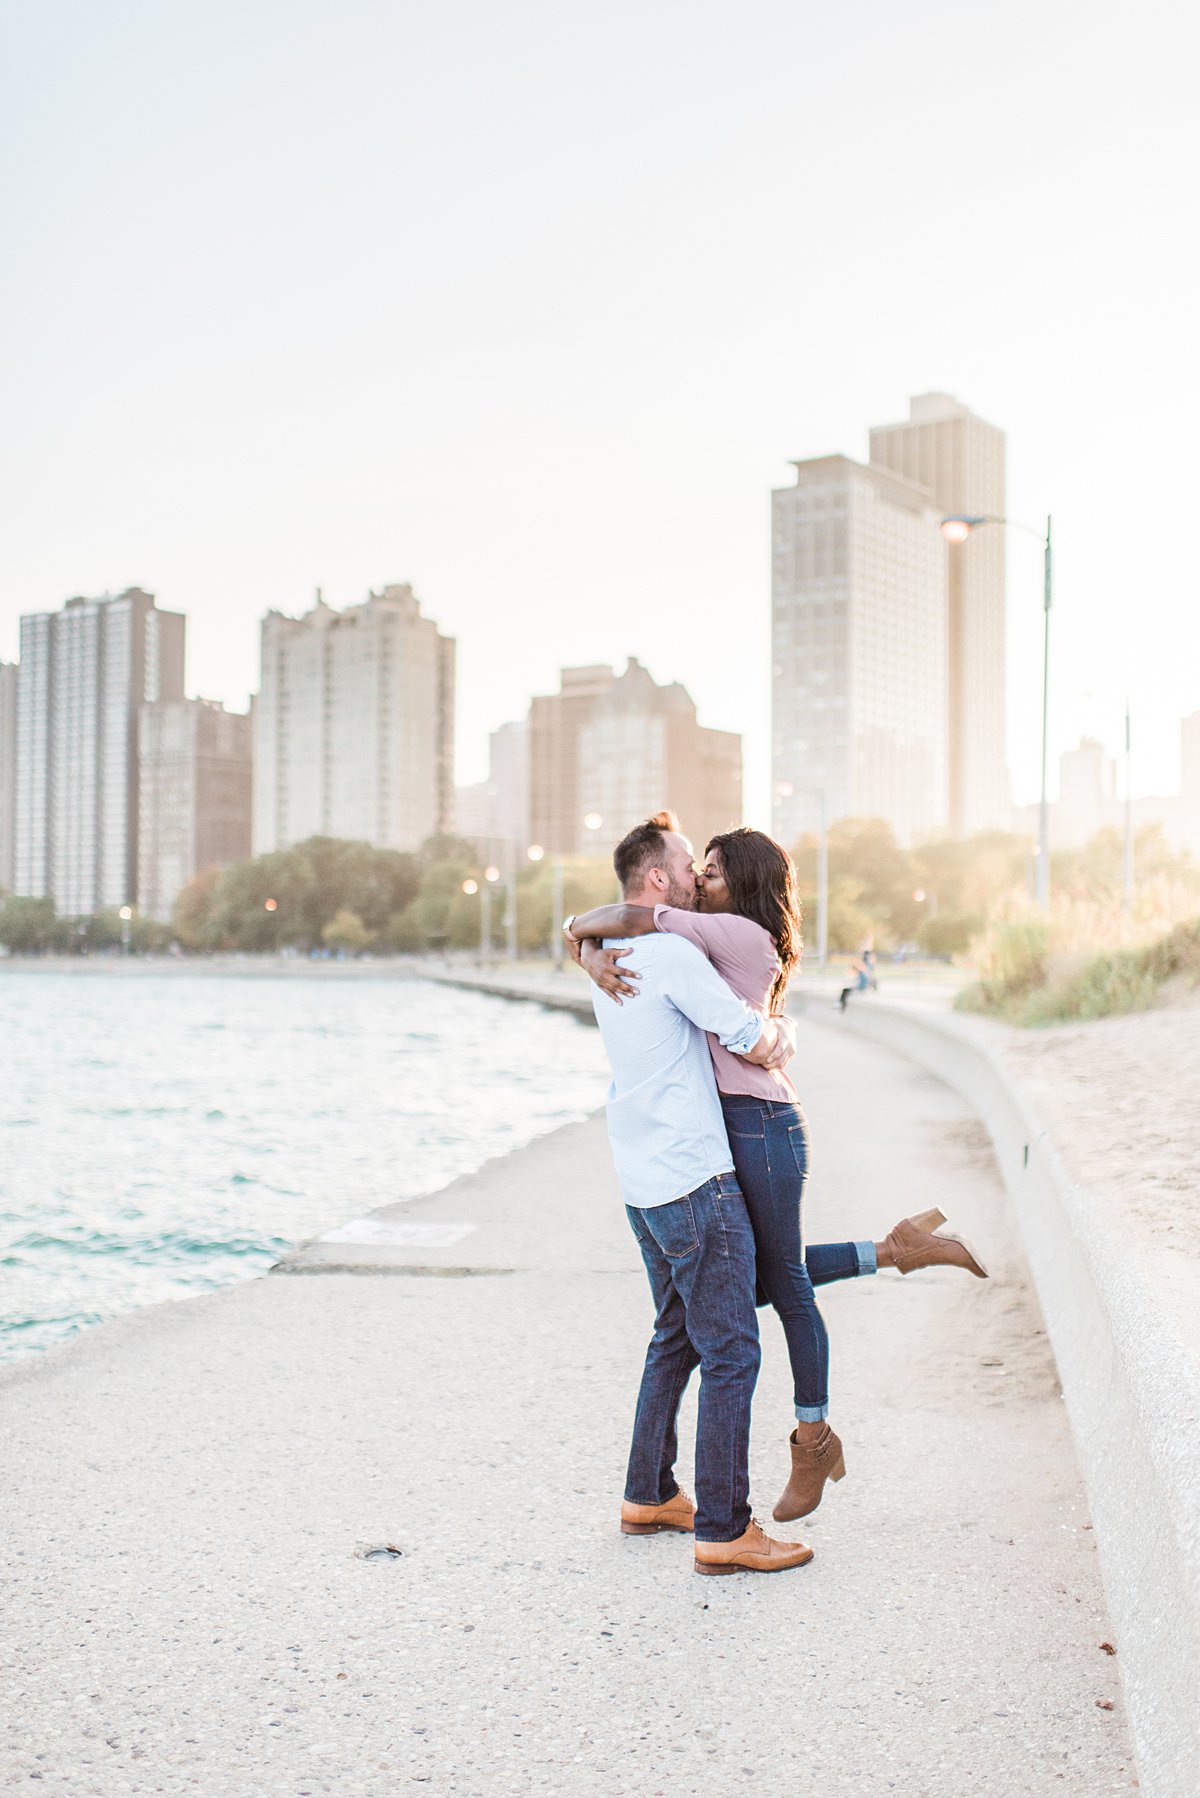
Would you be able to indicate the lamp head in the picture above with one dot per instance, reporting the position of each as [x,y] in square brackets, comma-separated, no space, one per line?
[958,529]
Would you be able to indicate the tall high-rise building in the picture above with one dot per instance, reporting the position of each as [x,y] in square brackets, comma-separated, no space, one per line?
[859,651]
[8,774]
[621,748]
[354,726]
[84,672]
[959,460]
[194,796]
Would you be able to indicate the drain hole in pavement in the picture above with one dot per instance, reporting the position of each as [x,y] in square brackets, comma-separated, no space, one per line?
[382,1551]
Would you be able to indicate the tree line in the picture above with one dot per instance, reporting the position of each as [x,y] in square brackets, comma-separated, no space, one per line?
[349,898]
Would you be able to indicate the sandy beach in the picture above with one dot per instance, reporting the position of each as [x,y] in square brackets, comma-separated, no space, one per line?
[1121,1097]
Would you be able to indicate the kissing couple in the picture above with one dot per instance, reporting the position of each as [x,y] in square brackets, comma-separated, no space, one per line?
[711,1153]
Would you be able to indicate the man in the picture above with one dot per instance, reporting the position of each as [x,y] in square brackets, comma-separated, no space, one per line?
[687,1212]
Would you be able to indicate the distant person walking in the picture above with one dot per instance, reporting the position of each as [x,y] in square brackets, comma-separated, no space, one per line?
[863,970]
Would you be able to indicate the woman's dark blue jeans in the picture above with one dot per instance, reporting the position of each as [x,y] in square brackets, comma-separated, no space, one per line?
[769,1144]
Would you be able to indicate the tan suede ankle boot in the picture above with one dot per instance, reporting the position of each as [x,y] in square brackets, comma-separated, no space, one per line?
[812,1464]
[912,1244]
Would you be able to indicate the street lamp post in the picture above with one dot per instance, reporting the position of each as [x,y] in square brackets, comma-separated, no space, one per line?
[126,917]
[591,821]
[956,529]
[470,888]
[490,877]
[556,917]
[535,852]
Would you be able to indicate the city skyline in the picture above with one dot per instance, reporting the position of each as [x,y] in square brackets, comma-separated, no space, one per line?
[542,340]
[116,789]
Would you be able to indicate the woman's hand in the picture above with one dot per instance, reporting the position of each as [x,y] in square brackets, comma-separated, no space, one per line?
[603,966]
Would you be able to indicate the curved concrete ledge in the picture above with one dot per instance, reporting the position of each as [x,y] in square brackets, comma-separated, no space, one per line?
[1130,1380]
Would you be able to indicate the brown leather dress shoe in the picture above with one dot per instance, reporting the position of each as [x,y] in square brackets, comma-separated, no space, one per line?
[912,1244]
[812,1464]
[678,1513]
[752,1552]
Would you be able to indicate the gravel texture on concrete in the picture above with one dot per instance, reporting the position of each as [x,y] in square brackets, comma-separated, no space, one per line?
[187,1488]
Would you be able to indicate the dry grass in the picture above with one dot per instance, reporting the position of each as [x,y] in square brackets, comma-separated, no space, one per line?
[1084,959]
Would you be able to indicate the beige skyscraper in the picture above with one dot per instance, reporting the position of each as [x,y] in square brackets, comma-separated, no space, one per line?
[8,774]
[959,460]
[194,796]
[858,651]
[84,673]
[354,725]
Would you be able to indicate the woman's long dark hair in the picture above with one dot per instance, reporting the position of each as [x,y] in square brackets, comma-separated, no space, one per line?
[762,886]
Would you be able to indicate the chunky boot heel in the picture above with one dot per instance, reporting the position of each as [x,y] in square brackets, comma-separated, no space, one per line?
[929,1220]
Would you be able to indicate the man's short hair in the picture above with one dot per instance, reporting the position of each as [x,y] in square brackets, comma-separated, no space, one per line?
[643,848]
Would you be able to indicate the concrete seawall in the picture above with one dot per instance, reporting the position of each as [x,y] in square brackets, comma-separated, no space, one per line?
[1128,1353]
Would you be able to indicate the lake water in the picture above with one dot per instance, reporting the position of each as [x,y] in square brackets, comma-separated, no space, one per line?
[163,1134]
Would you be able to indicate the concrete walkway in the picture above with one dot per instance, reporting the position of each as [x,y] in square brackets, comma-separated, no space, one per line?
[186,1489]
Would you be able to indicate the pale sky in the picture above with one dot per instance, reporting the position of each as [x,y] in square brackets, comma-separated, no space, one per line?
[531,304]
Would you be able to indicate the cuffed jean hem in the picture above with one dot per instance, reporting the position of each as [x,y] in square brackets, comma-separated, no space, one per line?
[865,1255]
[811,1413]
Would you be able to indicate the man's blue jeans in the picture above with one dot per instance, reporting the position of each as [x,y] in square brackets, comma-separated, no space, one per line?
[699,1255]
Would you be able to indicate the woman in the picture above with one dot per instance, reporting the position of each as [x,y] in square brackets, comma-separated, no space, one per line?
[748,925]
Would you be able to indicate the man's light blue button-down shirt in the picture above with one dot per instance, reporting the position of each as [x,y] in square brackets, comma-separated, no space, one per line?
[664,1116]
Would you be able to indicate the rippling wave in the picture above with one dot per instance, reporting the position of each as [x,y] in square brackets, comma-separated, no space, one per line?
[166,1134]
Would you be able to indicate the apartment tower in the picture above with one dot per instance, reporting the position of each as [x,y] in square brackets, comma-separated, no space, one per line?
[859,675]
[959,460]
[354,726]
[194,796]
[84,673]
